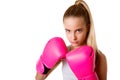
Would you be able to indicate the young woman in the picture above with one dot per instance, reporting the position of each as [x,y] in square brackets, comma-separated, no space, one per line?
[80,31]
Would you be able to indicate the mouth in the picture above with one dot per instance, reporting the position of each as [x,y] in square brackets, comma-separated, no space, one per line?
[74,42]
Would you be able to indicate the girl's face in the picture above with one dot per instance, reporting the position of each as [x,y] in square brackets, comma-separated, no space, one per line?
[76,31]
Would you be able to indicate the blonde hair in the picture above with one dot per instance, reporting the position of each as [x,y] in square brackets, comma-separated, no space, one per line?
[80,8]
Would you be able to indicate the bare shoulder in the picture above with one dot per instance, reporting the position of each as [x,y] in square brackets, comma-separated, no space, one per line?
[101,66]
[101,56]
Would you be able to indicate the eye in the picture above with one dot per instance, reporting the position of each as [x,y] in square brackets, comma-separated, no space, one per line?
[67,31]
[78,30]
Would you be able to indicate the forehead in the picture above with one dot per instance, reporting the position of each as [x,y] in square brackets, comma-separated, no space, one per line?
[74,22]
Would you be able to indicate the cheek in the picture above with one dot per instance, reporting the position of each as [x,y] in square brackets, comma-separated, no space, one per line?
[68,35]
[82,36]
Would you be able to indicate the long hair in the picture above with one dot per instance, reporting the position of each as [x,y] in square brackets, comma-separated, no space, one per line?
[81,9]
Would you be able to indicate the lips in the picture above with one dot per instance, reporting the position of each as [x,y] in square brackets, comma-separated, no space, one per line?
[74,42]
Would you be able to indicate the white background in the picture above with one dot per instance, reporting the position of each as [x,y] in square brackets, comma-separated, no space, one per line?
[26,26]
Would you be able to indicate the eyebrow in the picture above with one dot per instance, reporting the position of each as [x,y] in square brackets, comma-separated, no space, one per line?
[75,30]
[78,29]
[67,29]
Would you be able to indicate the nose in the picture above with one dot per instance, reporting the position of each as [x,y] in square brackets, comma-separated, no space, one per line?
[73,36]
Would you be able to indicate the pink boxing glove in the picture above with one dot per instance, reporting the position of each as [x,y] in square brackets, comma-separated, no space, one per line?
[82,63]
[54,50]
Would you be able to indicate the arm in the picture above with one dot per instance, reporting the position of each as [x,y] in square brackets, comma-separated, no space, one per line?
[43,77]
[82,63]
[101,66]
[39,76]
[54,51]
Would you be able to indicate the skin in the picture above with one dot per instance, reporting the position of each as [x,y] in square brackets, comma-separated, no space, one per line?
[43,77]
[39,76]
[76,32]
[101,66]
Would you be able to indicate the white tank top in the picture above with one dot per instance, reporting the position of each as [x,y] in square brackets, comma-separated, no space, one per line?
[66,71]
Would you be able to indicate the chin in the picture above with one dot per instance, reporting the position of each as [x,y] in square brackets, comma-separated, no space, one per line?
[75,45]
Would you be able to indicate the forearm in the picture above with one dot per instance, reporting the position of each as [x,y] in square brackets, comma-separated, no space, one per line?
[40,76]
[43,77]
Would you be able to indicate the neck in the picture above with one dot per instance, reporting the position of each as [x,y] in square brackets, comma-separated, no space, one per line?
[75,47]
